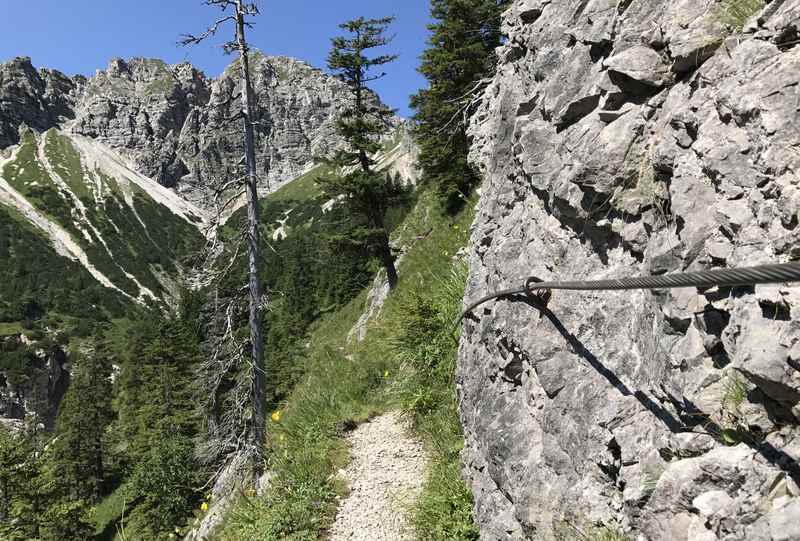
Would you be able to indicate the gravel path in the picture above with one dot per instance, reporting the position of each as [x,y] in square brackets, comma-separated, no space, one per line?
[385,476]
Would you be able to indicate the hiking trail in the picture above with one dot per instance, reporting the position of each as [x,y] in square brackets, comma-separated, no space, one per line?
[385,477]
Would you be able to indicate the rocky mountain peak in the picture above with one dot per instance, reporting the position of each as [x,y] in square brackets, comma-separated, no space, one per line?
[39,99]
[173,123]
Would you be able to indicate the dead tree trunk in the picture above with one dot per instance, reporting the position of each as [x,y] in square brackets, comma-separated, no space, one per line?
[258,428]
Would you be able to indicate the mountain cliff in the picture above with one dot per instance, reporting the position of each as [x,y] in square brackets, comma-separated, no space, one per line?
[618,139]
[177,126]
[104,191]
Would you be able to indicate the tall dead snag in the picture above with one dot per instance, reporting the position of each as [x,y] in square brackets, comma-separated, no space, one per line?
[238,12]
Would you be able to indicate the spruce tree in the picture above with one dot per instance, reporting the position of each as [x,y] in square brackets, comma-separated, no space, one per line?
[75,466]
[459,58]
[82,421]
[367,193]
[163,486]
[158,419]
[22,494]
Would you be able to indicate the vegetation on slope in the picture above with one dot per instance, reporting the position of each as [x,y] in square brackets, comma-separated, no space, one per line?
[55,318]
[132,441]
[141,477]
[346,383]
[143,241]
[736,13]
[34,280]
[457,64]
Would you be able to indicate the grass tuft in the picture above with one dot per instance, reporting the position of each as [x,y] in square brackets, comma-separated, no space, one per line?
[736,13]
[424,344]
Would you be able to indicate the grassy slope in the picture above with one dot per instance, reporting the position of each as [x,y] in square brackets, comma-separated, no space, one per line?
[127,246]
[347,383]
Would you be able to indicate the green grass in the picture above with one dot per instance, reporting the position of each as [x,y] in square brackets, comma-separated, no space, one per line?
[66,161]
[9,329]
[303,187]
[161,86]
[141,251]
[736,13]
[25,169]
[108,515]
[348,383]
[734,429]
[734,393]
[427,349]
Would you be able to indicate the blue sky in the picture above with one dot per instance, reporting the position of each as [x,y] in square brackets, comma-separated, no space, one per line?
[80,36]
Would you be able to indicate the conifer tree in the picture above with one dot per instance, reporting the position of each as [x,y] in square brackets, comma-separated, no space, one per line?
[367,193]
[75,468]
[22,497]
[456,64]
[163,486]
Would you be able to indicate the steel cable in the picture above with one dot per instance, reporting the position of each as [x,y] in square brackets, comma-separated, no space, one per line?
[762,274]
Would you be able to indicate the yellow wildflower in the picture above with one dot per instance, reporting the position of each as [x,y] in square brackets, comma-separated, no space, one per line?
[276,416]
[204,506]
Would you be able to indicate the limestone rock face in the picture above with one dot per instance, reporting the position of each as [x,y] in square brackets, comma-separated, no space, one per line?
[38,99]
[619,139]
[181,128]
[294,116]
[139,107]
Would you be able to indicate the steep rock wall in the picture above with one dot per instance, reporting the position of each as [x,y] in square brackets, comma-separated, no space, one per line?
[39,99]
[179,127]
[625,138]
[38,390]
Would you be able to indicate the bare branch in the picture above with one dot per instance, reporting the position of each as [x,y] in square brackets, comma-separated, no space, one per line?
[190,39]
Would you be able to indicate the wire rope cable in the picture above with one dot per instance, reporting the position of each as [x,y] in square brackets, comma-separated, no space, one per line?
[745,276]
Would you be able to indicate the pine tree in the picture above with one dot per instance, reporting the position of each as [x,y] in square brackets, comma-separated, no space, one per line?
[158,418]
[22,496]
[459,58]
[154,390]
[367,193]
[82,421]
[75,465]
[162,485]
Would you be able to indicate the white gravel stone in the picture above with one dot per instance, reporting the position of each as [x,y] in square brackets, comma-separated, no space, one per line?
[385,477]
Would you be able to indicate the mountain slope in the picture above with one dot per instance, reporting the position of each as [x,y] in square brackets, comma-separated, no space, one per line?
[175,125]
[127,231]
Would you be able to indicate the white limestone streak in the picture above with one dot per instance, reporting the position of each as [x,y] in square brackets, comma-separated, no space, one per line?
[98,157]
[61,240]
